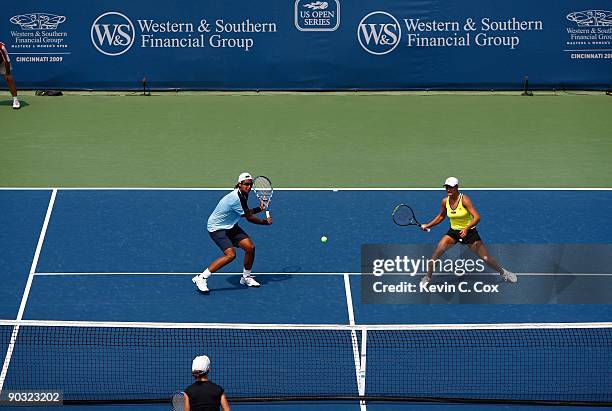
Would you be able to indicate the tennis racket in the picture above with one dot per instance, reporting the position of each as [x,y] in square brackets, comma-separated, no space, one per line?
[403,215]
[263,190]
[178,401]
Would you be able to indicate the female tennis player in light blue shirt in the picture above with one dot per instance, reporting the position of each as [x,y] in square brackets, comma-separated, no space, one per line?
[224,230]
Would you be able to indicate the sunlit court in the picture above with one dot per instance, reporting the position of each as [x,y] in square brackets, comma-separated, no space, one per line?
[305,205]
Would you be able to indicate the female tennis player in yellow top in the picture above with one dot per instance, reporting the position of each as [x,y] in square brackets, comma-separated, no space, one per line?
[463,219]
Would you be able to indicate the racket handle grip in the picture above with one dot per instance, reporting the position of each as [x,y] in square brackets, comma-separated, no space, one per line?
[267,214]
[428,229]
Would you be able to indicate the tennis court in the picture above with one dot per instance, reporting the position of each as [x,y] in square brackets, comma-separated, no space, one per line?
[133,119]
[109,287]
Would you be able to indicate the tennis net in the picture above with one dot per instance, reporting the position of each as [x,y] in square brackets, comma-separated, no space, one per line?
[147,362]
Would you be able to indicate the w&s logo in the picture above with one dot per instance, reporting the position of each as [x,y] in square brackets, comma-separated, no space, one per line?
[112,33]
[379,33]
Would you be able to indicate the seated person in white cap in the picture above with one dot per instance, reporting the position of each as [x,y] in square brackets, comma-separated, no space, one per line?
[203,394]
[463,219]
[224,230]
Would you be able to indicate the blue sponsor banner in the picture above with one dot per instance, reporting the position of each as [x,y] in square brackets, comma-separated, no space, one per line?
[308,44]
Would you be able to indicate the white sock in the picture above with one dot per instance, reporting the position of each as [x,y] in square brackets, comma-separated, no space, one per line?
[15,98]
[246,273]
[205,274]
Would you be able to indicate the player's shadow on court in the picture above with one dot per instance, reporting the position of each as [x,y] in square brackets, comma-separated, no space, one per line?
[10,103]
[262,279]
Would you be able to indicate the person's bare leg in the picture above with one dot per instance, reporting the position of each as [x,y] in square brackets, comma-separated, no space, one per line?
[229,254]
[249,257]
[249,252]
[444,244]
[13,90]
[11,84]
[481,251]
[201,280]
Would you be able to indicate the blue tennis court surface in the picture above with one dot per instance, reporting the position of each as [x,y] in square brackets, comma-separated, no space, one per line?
[21,216]
[129,255]
[164,231]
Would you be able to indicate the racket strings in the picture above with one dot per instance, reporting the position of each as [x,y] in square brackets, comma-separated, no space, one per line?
[178,402]
[403,215]
[263,194]
[263,188]
[262,183]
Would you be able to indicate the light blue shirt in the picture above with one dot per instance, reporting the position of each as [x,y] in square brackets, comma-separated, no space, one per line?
[227,213]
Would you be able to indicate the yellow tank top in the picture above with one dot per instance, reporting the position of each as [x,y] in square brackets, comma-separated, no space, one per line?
[459,217]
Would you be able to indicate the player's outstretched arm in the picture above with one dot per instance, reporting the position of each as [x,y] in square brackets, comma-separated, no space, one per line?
[437,219]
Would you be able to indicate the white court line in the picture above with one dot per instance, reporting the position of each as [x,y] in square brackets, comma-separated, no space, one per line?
[26,292]
[362,370]
[359,368]
[314,188]
[324,274]
[349,299]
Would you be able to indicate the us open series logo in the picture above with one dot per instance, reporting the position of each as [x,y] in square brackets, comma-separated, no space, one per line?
[317,15]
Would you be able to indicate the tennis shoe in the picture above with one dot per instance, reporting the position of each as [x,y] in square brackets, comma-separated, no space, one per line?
[425,281]
[201,283]
[249,281]
[16,104]
[509,276]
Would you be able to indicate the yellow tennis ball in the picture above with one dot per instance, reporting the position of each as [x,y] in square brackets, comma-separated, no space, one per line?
[323,239]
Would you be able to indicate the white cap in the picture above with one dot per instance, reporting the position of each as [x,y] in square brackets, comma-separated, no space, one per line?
[452,182]
[201,364]
[244,176]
